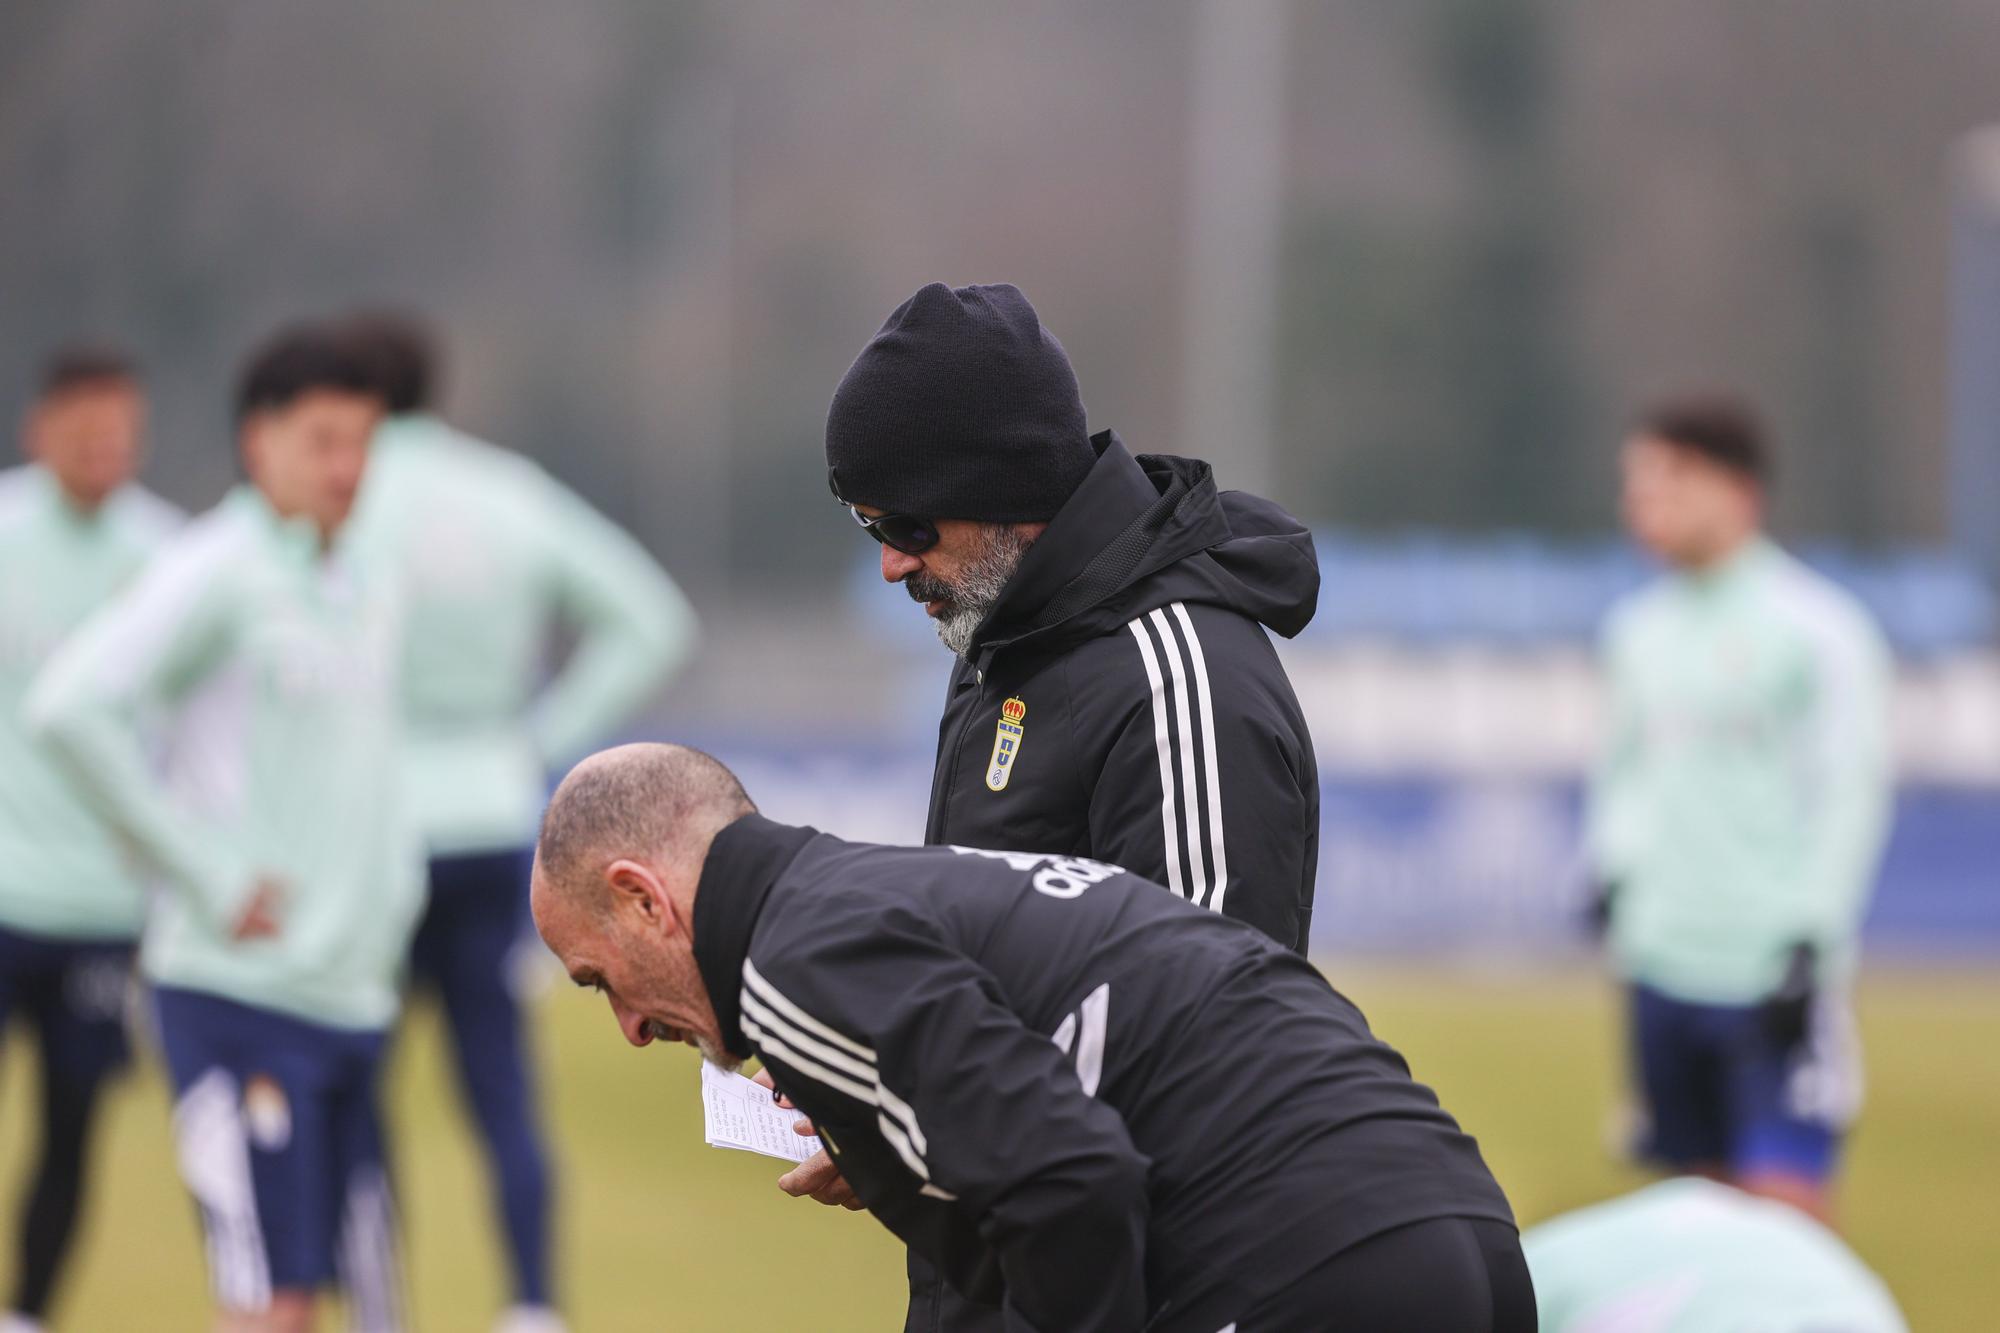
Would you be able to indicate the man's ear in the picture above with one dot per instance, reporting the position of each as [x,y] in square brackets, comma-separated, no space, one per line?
[634,888]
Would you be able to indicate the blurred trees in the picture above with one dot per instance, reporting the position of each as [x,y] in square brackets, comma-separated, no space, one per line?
[657,233]
[1433,352]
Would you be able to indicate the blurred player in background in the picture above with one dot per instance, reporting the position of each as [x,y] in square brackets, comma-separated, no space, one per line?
[74,529]
[1694,1256]
[1738,815]
[290,884]
[1116,694]
[497,556]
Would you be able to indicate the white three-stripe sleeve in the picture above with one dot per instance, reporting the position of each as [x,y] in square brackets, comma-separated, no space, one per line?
[1184,754]
[997,1117]
[1211,771]
[783,1029]
[1185,741]
[1163,744]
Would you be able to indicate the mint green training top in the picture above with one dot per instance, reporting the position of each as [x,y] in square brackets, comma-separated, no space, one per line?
[272,665]
[1745,786]
[496,555]
[1693,1256]
[62,871]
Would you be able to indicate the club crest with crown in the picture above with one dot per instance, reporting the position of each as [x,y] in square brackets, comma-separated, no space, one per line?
[1007,740]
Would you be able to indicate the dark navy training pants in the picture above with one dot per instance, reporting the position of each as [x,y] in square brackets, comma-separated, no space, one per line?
[279,1136]
[468,950]
[71,995]
[1721,1093]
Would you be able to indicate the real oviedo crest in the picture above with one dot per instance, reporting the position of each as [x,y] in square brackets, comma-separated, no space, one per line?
[1007,744]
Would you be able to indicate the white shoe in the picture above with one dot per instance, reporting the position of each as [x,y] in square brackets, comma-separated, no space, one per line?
[20,1323]
[514,1319]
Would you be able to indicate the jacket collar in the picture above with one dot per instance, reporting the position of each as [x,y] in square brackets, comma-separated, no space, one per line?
[411,430]
[1115,491]
[296,540]
[743,864]
[1741,565]
[49,494]
[1108,531]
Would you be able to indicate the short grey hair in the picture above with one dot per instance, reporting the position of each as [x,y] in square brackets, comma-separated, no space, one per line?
[654,801]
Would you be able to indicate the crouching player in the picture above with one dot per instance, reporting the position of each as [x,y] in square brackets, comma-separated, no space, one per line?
[290,886]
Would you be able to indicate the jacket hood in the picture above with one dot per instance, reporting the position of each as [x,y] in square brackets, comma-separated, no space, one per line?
[1142,532]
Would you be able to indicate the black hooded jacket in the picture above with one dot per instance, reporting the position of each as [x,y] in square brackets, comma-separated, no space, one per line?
[1093,1108]
[1123,701]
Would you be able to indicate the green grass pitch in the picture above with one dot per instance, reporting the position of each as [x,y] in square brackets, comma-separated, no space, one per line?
[659,1232]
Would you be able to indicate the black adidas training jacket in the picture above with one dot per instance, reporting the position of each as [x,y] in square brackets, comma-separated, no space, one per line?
[1081,1098]
[1156,728]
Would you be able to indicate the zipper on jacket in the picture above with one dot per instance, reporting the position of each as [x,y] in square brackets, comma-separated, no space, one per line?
[941,805]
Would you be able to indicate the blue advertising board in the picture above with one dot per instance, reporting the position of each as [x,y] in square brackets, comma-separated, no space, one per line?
[1434,863]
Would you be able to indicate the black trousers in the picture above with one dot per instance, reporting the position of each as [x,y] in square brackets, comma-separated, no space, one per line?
[936,1307]
[1446,1275]
[72,993]
[465,949]
[1460,1274]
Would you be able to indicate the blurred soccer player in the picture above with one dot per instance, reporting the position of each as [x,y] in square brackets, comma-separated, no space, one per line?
[290,884]
[1694,1256]
[73,530]
[1738,815]
[497,555]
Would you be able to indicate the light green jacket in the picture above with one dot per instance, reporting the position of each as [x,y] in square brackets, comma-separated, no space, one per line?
[498,556]
[1745,787]
[63,873]
[1693,1256]
[272,666]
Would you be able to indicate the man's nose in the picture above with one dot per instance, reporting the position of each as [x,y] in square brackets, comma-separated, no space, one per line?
[897,566]
[632,1024]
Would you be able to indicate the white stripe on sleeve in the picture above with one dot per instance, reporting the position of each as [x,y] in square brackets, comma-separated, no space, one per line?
[904,1148]
[755,1010]
[904,1113]
[1096,1012]
[1211,770]
[755,980]
[774,1044]
[1184,754]
[1168,819]
[782,1028]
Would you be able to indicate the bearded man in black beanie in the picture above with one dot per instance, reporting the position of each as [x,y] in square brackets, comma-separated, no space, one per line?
[1116,694]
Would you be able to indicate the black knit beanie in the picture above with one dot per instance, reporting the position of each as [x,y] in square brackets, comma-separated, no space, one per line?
[963,406]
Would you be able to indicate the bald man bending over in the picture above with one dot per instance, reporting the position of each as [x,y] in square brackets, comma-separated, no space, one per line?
[1090,1103]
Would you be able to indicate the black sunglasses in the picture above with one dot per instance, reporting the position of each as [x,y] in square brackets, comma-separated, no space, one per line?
[905,532]
[902,532]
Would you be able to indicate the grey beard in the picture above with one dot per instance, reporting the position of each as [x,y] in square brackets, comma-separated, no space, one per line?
[716,1056]
[710,1052]
[972,594]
